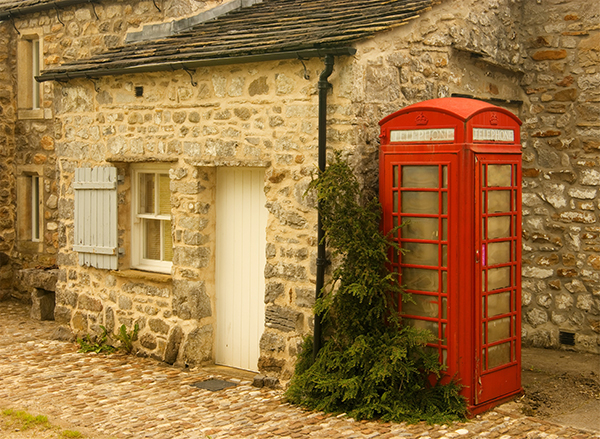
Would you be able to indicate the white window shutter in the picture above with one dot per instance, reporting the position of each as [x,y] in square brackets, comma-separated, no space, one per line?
[96,217]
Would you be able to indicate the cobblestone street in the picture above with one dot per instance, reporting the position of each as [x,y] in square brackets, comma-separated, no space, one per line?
[131,397]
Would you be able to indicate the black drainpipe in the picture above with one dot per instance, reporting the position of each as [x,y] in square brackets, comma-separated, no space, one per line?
[321,256]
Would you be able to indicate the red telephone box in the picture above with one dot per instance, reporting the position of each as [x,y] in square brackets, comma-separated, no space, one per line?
[450,169]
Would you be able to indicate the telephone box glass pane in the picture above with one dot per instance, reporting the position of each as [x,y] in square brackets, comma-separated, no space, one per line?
[498,201]
[498,253]
[498,303]
[395,177]
[420,279]
[498,278]
[444,229]
[498,329]
[498,227]
[424,306]
[424,324]
[499,175]
[395,201]
[420,253]
[498,355]
[444,202]
[420,176]
[420,228]
[444,176]
[420,202]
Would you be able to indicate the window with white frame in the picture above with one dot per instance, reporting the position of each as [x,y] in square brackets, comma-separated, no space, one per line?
[152,242]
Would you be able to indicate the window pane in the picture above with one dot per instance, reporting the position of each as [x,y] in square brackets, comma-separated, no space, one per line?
[420,254]
[420,202]
[444,202]
[35,70]
[420,279]
[498,253]
[424,324]
[444,229]
[498,201]
[420,228]
[498,303]
[152,239]
[146,193]
[498,227]
[498,329]
[498,355]
[167,241]
[444,176]
[499,175]
[164,194]
[395,201]
[395,176]
[498,278]
[35,208]
[424,306]
[420,176]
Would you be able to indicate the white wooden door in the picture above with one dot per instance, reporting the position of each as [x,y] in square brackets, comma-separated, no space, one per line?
[240,263]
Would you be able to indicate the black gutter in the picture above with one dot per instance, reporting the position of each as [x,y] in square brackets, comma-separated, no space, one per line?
[321,254]
[48,75]
[47,6]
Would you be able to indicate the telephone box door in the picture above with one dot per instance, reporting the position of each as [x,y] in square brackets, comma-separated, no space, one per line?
[498,228]
[419,197]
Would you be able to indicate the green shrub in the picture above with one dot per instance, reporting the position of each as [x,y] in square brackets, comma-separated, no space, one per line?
[370,365]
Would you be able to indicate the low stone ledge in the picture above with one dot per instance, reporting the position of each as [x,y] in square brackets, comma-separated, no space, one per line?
[40,278]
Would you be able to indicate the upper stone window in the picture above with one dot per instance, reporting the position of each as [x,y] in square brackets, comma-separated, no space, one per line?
[28,67]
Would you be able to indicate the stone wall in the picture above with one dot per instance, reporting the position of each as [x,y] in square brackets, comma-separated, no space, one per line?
[261,115]
[7,148]
[561,161]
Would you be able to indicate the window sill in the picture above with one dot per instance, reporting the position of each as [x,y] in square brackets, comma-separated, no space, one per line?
[38,113]
[143,275]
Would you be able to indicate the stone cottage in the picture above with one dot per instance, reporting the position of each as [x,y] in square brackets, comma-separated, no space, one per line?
[156,155]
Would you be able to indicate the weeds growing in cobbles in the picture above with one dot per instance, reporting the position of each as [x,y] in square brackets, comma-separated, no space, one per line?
[101,344]
[370,365]
[36,426]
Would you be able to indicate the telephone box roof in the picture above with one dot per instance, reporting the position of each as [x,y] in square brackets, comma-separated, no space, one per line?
[461,108]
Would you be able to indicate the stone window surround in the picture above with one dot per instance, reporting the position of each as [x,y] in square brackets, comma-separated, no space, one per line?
[137,239]
[30,102]
[25,177]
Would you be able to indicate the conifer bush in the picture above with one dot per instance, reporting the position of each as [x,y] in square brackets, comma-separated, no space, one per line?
[370,365]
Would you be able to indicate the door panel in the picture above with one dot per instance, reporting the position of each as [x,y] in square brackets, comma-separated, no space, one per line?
[417,195]
[240,261]
[498,208]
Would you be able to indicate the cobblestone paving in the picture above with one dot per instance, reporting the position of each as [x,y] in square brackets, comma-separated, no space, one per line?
[131,397]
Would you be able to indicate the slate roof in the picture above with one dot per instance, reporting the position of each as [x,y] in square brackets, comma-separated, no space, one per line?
[272,29]
[17,8]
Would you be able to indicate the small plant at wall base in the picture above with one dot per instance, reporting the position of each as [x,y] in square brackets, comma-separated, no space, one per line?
[100,344]
[127,338]
[370,365]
